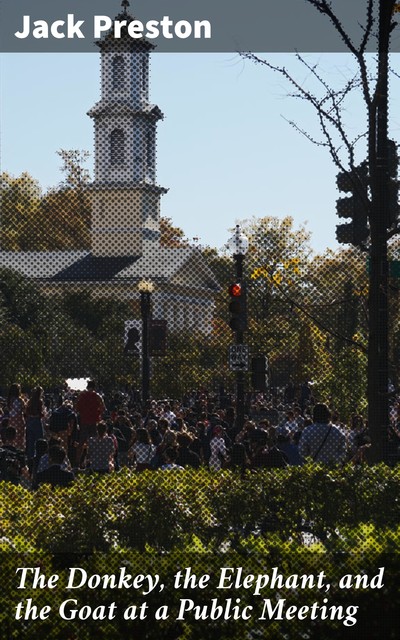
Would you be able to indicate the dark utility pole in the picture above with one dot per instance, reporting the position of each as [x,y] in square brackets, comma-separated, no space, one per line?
[145,308]
[240,381]
[238,246]
[378,405]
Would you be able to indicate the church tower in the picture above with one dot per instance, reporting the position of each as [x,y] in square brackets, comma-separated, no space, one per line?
[125,195]
[125,198]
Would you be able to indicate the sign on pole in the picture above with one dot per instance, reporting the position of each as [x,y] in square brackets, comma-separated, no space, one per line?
[239,357]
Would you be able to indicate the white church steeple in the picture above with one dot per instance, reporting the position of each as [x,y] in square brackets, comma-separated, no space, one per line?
[126,198]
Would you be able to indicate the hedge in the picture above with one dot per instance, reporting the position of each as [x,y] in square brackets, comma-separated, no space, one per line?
[302,520]
[160,511]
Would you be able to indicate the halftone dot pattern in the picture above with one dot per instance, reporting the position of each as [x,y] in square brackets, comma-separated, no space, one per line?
[72,261]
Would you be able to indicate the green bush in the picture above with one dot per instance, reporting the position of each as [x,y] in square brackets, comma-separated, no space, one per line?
[160,511]
[300,520]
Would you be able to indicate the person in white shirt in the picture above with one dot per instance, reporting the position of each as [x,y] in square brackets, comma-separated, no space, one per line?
[100,450]
[218,449]
[322,441]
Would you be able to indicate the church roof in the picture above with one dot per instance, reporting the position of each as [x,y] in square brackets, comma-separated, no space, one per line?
[91,268]
[170,264]
[39,264]
[157,263]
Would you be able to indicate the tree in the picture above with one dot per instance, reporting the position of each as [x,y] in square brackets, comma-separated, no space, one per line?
[55,221]
[23,304]
[342,311]
[171,236]
[337,288]
[330,106]
[277,259]
[58,220]
[20,204]
[67,209]
[76,175]
[295,316]
[46,340]
[25,328]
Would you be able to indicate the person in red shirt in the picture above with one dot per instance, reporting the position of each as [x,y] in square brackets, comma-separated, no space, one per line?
[90,406]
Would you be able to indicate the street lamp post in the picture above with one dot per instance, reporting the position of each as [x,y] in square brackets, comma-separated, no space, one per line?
[238,245]
[146,288]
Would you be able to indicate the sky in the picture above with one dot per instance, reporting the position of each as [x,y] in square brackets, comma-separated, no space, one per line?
[225,151]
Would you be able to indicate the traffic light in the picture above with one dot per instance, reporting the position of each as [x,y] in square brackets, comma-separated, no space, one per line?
[259,373]
[157,338]
[393,164]
[238,306]
[355,206]
[132,342]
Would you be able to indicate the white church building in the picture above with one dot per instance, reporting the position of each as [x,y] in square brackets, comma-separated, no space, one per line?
[125,228]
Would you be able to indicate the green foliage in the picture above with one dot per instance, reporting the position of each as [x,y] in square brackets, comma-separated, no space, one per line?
[65,218]
[309,329]
[20,299]
[20,202]
[159,511]
[57,220]
[171,236]
[195,361]
[95,314]
[302,521]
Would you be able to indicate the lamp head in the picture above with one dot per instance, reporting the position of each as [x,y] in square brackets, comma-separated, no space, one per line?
[238,244]
[146,286]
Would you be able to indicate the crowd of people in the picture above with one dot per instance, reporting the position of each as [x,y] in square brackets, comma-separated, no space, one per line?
[88,432]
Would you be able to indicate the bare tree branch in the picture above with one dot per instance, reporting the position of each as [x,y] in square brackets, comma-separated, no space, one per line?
[325,7]
[328,107]
[393,72]
[293,124]
[319,323]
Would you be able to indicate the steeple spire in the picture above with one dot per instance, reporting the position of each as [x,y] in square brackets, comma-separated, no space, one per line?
[126,196]
[125,4]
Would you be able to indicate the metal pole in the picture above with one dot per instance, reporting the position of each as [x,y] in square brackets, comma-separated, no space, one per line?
[378,412]
[145,306]
[240,404]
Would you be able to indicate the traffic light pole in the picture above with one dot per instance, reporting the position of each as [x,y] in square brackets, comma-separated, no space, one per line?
[240,380]
[378,410]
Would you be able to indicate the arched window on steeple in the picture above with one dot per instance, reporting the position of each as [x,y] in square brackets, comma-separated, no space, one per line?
[117,146]
[118,72]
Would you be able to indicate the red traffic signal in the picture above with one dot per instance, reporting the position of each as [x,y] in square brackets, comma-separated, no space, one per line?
[238,306]
[236,290]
